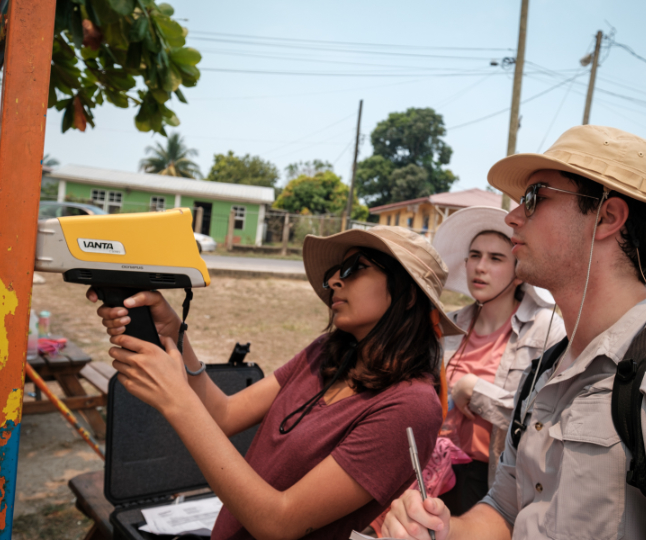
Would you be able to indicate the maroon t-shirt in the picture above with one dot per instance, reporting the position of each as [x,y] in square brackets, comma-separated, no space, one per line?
[364,433]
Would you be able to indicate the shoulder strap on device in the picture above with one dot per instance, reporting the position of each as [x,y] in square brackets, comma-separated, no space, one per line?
[549,358]
[626,408]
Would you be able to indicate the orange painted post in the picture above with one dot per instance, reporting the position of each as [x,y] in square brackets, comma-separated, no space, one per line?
[28,55]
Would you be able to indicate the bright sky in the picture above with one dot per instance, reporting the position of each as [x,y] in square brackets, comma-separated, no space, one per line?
[283,79]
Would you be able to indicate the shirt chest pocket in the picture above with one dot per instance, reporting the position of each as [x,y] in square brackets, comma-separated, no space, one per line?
[590,497]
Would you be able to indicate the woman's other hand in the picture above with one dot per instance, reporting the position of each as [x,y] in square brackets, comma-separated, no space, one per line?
[462,392]
[153,375]
[115,319]
[410,517]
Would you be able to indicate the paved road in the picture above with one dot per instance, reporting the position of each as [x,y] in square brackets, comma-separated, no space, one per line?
[253,264]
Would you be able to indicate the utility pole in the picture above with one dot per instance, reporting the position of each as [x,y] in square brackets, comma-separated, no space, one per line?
[518,82]
[348,210]
[593,76]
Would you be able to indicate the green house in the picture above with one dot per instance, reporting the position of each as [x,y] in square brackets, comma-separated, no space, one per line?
[121,191]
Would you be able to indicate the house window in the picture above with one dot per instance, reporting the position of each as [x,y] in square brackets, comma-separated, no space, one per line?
[98,197]
[397,219]
[388,220]
[425,222]
[110,201]
[409,222]
[157,204]
[240,212]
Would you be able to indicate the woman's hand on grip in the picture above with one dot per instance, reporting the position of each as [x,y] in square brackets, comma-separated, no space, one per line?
[115,319]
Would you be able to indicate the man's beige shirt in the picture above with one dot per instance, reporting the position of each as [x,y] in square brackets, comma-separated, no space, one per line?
[567,480]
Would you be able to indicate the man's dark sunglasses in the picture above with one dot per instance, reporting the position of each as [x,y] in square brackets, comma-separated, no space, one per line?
[530,199]
[349,267]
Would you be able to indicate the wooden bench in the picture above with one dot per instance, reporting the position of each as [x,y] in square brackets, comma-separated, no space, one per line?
[66,368]
[88,488]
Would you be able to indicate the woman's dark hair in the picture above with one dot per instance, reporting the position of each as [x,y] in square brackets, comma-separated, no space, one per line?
[518,292]
[633,235]
[402,345]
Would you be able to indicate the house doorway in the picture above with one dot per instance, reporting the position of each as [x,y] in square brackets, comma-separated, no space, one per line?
[207,207]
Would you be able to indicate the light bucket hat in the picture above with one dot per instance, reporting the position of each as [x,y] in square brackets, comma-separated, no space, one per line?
[453,239]
[612,157]
[412,250]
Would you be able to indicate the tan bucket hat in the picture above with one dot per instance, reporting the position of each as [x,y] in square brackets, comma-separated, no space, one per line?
[412,250]
[453,239]
[612,157]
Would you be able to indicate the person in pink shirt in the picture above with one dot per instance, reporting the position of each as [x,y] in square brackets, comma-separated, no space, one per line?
[505,327]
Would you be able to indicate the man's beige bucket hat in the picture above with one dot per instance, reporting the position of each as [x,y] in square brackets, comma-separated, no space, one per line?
[606,155]
[412,250]
[453,240]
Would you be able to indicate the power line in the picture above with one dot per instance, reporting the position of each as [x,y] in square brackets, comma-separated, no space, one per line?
[627,48]
[465,73]
[315,48]
[310,134]
[352,43]
[558,110]
[315,60]
[507,108]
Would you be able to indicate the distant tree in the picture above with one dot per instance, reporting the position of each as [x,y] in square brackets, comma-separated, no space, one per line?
[404,139]
[171,159]
[125,52]
[248,170]
[307,168]
[323,193]
[410,182]
[49,161]
[373,180]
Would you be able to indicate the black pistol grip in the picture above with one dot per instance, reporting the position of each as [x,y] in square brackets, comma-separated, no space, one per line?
[141,323]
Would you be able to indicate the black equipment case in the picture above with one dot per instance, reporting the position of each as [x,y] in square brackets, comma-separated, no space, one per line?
[146,462]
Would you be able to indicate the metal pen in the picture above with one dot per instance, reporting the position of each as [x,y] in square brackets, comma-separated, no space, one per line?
[417,467]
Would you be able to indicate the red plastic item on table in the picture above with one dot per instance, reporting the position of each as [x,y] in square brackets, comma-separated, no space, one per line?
[51,345]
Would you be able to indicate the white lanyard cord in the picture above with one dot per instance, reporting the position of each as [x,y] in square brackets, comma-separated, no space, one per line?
[576,326]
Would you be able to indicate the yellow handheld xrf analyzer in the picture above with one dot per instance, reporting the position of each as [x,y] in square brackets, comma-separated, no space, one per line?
[122,254]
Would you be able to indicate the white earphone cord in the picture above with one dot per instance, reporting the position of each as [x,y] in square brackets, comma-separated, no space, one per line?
[576,326]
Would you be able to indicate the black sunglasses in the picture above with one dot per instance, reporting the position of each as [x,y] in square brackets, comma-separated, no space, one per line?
[530,199]
[349,267]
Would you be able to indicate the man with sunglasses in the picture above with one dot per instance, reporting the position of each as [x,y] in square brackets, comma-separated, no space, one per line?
[580,232]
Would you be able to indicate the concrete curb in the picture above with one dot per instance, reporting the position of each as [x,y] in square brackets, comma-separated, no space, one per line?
[254,274]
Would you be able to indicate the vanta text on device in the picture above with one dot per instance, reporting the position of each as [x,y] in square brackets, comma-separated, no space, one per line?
[94,245]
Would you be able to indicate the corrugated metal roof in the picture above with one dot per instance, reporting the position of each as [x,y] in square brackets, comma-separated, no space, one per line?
[456,199]
[164,184]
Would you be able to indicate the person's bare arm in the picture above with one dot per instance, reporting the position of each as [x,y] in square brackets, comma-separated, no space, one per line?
[232,413]
[410,518]
[322,496]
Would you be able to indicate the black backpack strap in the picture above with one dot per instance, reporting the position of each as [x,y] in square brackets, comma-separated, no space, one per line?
[549,358]
[626,408]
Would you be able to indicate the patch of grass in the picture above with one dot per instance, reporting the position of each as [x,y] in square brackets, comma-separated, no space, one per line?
[59,521]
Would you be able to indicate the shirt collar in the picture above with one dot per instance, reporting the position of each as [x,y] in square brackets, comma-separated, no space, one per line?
[525,313]
[612,343]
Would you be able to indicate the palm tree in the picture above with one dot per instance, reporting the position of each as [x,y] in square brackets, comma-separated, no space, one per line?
[171,160]
[49,161]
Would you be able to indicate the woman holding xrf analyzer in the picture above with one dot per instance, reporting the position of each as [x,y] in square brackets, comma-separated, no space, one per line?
[331,451]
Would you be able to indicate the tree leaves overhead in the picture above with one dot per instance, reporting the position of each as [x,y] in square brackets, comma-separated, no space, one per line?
[125,52]
[408,159]
[322,193]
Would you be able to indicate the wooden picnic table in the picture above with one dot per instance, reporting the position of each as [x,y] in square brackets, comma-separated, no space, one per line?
[66,368]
